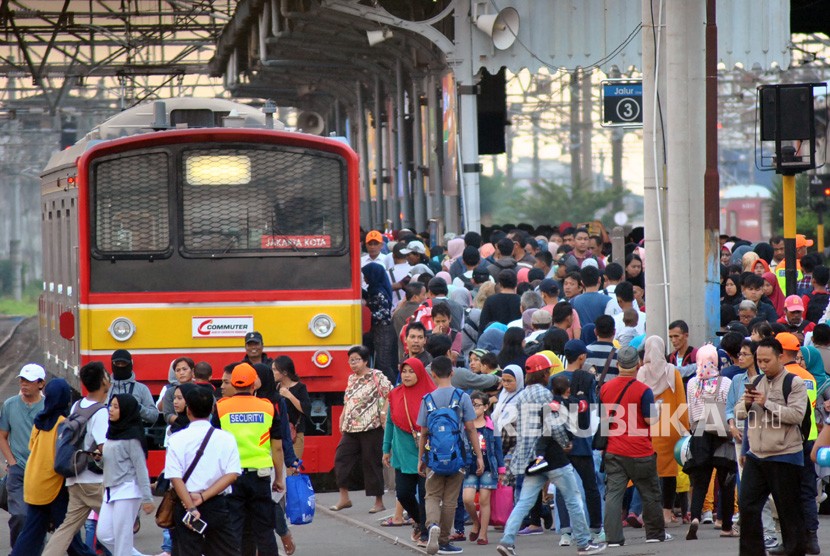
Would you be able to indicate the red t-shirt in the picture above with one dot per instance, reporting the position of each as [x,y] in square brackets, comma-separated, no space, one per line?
[636,404]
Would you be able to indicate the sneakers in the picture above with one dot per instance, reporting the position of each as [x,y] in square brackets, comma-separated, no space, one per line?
[634,520]
[538,465]
[531,530]
[616,544]
[565,540]
[432,539]
[666,538]
[706,517]
[592,548]
[449,549]
[770,542]
[505,550]
[598,537]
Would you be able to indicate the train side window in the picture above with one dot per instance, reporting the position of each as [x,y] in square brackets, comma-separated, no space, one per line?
[131,203]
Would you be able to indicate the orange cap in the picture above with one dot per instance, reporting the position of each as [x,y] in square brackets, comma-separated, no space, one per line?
[243,375]
[802,241]
[788,341]
[374,235]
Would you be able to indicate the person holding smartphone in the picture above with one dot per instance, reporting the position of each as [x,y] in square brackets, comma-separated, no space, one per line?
[203,524]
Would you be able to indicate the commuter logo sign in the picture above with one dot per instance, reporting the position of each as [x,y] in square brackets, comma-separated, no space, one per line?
[622,103]
[222,327]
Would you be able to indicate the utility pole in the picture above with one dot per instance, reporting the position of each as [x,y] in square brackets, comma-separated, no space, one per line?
[587,173]
[534,123]
[575,138]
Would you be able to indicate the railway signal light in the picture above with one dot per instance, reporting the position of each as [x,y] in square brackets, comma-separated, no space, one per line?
[820,186]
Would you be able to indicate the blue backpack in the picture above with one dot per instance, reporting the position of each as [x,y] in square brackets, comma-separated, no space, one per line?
[445,451]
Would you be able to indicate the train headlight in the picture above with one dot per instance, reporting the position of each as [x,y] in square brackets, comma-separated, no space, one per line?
[321,325]
[122,329]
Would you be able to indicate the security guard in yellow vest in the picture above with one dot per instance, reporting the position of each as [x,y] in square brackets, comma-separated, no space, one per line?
[789,342]
[251,421]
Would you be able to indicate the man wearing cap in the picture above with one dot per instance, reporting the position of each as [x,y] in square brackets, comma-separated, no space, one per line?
[540,321]
[251,421]
[124,382]
[254,350]
[416,253]
[399,274]
[629,406]
[791,346]
[374,245]
[16,421]
[793,317]
[801,245]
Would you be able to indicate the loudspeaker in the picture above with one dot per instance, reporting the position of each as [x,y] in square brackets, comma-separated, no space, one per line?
[311,122]
[503,27]
[492,112]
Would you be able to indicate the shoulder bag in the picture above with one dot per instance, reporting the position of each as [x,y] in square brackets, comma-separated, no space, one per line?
[164,513]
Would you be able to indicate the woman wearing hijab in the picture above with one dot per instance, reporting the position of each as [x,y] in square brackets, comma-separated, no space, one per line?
[725,255]
[748,260]
[378,298]
[492,339]
[512,382]
[400,442]
[764,250]
[814,364]
[455,248]
[760,267]
[667,384]
[266,388]
[732,290]
[43,489]
[711,449]
[772,291]
[126,480]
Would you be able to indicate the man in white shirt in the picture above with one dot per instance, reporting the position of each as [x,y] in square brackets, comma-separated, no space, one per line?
[399,274]
[204,495]
[374,245]
[624,292]
[86,490]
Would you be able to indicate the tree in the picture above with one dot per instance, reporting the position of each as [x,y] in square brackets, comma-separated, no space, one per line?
[549,202]
[805,216]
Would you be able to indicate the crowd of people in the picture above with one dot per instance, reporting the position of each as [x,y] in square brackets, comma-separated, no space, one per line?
[530,344]
[505,381]
[228,451]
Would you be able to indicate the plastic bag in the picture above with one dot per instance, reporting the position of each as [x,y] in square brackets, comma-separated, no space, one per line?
[299,499]
[501,504]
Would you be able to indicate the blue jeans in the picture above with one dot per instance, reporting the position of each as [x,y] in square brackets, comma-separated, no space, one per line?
[166,541]
[564,479]
[93,543]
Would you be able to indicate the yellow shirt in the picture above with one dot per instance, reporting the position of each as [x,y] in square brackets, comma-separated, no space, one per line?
[41,484]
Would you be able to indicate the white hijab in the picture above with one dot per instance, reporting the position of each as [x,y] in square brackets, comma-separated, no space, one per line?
[507,398]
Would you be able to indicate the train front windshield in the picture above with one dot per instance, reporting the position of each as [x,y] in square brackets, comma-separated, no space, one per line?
[218,217]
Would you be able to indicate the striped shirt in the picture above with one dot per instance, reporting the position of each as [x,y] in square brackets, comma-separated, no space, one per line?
[598,355]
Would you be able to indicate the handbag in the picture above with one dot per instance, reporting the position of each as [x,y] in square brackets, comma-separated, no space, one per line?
[600,439]
[501,504]
[299,499]
[167,506]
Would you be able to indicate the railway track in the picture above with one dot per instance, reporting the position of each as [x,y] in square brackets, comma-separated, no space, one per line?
[18,346]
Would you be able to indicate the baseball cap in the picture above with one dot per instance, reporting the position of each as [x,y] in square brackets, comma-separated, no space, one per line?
[540,316]
[627,357]
[802,241]
[121,355]
[32,372]
[788,341]
[243,375]
[549,286]
[253,337]
[374,235]
[538,362]
[793,303]
[397,250]
[414,247]
[734,326]
[575,348]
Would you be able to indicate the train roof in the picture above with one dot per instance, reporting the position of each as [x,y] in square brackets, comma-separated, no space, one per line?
[750,191]
[179,113]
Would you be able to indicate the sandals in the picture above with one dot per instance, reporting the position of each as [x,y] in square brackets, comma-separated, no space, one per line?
[730,533]
[338,507]
[392,523]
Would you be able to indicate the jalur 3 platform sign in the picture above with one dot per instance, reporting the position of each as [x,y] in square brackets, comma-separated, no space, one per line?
[622,103]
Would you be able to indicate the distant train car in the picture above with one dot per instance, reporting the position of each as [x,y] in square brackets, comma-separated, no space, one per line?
[178,241]
[745,212]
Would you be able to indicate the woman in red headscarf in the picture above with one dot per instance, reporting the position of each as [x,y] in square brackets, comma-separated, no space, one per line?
[773,292]
[400,442]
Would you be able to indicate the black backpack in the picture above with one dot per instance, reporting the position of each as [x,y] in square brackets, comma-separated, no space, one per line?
[786,388]
[71,457]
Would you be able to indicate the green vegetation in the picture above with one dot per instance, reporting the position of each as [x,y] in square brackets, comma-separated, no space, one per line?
[26,307]
[545,202]
[806,217]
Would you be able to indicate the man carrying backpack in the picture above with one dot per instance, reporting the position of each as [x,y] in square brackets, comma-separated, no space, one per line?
[442,416]
[89,417]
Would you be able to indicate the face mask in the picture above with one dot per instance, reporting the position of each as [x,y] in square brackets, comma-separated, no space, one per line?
[122,373]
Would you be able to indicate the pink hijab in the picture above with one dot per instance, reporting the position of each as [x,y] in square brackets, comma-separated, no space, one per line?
[486,250]
[522,275]
[777,297]
[455,248]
